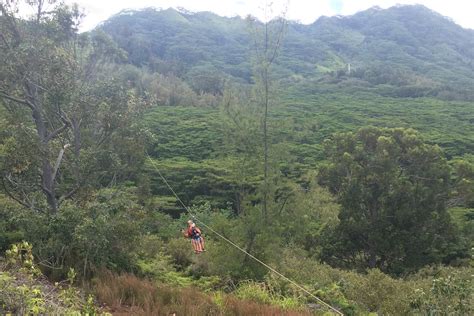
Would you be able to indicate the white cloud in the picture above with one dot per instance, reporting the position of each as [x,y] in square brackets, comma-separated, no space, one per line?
[305,11]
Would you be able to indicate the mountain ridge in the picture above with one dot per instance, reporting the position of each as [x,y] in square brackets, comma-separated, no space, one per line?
[409,47]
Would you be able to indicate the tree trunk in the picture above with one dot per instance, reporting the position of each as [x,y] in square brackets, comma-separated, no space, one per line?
[48,185]
[372,257]
[76,129]
[373,215]
[265,147]
[47,172]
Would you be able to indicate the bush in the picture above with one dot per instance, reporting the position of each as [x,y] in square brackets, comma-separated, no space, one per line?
[101,232]
[254,291]
[9,230]
[181,253]
[445,291]
[263,293]
[24,291]
[351,292]
[379,293]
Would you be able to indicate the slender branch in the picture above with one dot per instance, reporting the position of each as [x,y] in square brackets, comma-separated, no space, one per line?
[283,204]
[39,11]
[56,132]
[278,42]
[26,204]
[36,85]
[5,95]
[68,195]
[46,263]
[12,196]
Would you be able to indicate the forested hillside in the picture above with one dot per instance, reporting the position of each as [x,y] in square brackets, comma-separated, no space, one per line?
[340,154]
[406,51]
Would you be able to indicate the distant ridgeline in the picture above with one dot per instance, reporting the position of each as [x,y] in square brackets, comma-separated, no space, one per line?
[403,51]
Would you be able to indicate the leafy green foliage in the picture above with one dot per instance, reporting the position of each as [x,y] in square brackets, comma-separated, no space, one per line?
[406,51]
[20,255]
[65,110]
[260,293]
[221,150]
[9,231]
[24,289]
[392,189]
[101,232]
[448,294]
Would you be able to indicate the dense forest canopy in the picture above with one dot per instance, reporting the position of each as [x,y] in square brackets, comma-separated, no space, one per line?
[341,153]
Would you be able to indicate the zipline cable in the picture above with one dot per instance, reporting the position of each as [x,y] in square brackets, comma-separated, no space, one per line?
[240,248]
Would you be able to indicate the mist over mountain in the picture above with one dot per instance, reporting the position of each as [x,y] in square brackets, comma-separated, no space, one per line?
[406,51]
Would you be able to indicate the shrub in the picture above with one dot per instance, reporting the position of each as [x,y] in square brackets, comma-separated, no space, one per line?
[253,291]
[449,293]
[25,291]
[100,232]
[264,293]
[379,293]
[181,253]
[9,230]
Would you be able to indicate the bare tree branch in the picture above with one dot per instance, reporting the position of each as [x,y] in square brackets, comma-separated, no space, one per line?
[5,95]
[5,188]
[56,132]
[68,195]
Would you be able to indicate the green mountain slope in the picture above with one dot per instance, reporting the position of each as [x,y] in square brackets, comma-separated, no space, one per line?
[411,49]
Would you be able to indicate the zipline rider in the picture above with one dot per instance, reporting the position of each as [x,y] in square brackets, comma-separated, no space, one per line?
[194,233]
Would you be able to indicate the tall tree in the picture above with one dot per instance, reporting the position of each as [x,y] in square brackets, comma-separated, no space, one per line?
[267,40]
[242,139]
[54,87]
[393,189]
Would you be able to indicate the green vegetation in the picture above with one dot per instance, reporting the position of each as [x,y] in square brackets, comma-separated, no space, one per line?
[24,291]
[393,191]
[358,185]
[405,51]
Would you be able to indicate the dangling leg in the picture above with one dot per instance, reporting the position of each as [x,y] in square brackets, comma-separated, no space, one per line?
[193,243]
[198,244]
[201,239]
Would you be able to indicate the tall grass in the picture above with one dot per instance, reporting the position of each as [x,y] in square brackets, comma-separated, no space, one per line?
[128,295]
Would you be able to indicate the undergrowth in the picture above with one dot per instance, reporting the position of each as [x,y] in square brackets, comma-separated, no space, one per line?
[25,291]
[127,294]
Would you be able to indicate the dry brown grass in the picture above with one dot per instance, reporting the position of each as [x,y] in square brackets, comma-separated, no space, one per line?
[238,307]
[128,295]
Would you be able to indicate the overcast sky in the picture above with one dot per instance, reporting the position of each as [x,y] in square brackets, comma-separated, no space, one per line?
[305,11]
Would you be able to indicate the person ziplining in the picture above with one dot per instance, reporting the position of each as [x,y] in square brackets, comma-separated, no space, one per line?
[190,233]
[194,233]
